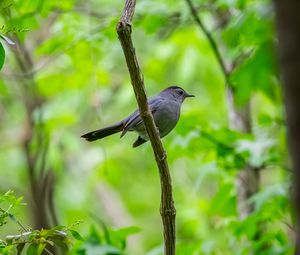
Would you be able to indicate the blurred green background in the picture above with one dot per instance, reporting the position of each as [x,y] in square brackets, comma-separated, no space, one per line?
[66,75]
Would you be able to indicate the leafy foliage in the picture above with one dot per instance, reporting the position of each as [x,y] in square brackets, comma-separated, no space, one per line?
[34,241]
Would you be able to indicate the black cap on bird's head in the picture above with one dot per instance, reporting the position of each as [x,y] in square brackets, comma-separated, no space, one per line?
[176,92]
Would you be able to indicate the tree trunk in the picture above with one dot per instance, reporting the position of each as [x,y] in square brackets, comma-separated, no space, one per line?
[247,182]
[288,27]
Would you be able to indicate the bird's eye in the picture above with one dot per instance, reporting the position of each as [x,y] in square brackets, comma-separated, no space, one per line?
[180,92]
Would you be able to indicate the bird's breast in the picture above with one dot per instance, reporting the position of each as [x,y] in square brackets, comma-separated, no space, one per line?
[166,116]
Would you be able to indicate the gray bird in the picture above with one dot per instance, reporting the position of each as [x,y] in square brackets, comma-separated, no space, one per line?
[165,108]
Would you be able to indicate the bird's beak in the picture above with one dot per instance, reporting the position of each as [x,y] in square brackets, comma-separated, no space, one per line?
[189,95]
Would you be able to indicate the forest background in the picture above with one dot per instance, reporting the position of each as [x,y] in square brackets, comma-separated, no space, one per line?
[64,74]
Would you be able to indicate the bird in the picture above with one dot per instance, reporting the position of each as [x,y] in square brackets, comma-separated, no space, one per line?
[165,108]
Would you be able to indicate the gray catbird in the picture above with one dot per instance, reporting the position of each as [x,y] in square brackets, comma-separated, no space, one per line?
[165,108]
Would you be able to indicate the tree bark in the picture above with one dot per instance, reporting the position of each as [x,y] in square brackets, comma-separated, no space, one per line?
[288,27]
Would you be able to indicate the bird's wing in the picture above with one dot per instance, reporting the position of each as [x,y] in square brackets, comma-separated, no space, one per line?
[135,118]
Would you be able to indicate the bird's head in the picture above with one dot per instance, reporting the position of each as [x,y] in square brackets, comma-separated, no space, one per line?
[175,93]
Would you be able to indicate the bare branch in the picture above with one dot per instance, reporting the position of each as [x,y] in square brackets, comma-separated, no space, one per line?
[128,12]
[167,208]
[211,40]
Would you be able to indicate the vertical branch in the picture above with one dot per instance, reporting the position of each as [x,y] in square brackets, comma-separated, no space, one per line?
[41,196]
[239,119]
[288,27]
[167,209]
[210,38]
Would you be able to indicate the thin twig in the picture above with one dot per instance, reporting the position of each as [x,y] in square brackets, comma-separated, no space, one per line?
[211,40]
[167,209]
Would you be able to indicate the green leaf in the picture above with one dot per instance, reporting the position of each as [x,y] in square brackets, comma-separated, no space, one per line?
[33,249]
[61,243]
[59,227]
[8,250]
[76,235]
[247,227]
[5,4]
[102,250]
[94,237]
[268,194]
[122,233]
[258,73]
[224,202]
[2,56]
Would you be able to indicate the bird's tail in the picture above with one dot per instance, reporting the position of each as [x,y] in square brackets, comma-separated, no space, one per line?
[101,133]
